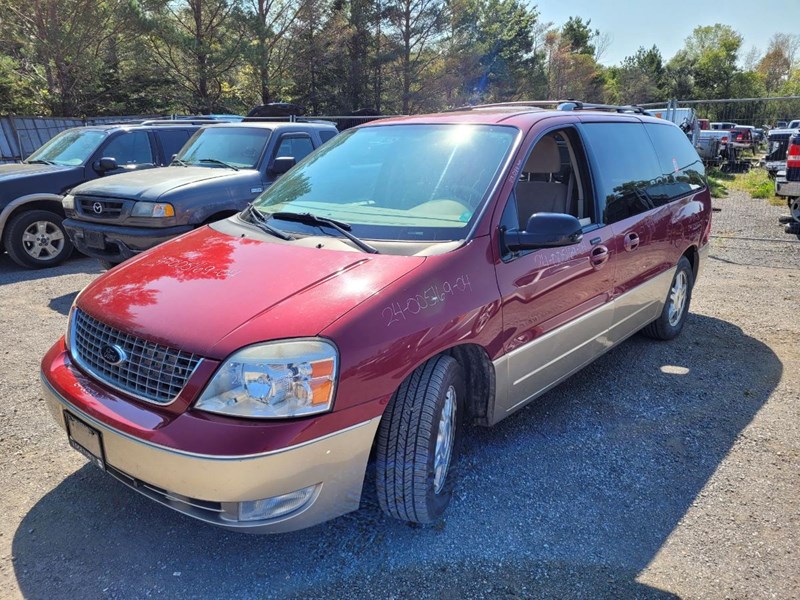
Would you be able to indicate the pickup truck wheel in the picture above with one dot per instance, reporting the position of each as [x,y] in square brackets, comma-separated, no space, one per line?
[670,323]
[418,442]
[36,239]
[794,208]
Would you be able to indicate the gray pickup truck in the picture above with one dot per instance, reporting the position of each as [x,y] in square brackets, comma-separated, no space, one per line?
[217,173]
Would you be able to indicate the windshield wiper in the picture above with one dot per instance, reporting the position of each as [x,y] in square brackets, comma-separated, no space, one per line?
[258,219]
[340,226]
[216,161]
[40,161]
[179,161]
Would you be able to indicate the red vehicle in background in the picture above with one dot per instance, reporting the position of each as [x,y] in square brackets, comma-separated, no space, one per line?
[409,277]
[742,137]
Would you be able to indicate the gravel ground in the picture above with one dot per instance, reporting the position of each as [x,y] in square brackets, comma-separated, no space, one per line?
[663,469]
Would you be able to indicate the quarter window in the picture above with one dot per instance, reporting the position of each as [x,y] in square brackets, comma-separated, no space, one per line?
[682,171]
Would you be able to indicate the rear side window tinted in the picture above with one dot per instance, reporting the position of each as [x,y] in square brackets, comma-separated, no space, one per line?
[326,135]
[626,168]
[682,171]
[173,141]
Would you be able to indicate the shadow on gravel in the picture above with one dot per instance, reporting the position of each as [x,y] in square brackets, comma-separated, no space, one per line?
[10,272]
[62,304]
[572,497]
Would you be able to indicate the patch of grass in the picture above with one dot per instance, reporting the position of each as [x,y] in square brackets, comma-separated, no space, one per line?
[755,182]
[716,183]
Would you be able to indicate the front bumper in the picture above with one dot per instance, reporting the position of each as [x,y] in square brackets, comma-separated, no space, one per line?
[210,488]
[115,243]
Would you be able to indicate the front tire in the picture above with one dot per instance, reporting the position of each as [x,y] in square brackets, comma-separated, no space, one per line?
[419,441]
[670,323]
[36,239]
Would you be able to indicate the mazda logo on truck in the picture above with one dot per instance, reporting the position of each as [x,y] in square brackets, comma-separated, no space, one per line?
[113,355]
[97,208]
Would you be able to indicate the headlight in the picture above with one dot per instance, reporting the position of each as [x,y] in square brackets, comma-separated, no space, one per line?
[152,209]
[274,380]
[68,202]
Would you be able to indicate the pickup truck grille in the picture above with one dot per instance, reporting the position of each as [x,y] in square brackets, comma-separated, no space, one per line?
[148,371]
[100,208]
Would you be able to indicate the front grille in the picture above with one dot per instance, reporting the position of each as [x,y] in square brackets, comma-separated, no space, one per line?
[149,371]
[100,208]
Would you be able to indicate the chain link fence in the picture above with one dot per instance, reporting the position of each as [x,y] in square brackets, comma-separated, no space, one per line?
[21,136]
[768,113]
[747,230]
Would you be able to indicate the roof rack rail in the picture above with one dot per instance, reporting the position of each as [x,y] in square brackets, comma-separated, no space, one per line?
[181,122]
[565,105]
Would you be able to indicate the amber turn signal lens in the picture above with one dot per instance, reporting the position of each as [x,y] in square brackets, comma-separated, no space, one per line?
[322,381]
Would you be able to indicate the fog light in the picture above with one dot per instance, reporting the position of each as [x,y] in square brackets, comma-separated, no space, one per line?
[277,506]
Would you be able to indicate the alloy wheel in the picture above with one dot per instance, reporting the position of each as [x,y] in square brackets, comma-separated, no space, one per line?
[43,240]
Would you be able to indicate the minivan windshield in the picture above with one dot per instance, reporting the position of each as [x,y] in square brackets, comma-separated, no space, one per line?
[237,147]
[396,182]
[70,148]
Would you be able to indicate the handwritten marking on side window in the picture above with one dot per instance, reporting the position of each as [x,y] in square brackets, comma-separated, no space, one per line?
[436,294]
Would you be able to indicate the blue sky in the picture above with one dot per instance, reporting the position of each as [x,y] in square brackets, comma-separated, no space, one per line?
[634,23]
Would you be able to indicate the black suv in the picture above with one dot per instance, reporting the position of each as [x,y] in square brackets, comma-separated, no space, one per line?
[31,213]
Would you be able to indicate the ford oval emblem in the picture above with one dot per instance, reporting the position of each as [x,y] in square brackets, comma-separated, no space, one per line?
[97,208]
[113,354]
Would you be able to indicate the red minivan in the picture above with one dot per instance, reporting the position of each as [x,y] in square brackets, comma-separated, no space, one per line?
[412,276]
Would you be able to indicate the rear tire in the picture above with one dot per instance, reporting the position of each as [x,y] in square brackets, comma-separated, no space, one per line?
[794,209]
[36,239]
[670,323]
[419,441]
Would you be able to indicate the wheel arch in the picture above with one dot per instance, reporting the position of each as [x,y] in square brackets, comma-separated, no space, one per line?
[693,255]
[479,374]
[51,202]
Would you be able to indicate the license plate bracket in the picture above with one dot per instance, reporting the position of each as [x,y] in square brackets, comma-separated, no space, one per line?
[95,239]
[85,439]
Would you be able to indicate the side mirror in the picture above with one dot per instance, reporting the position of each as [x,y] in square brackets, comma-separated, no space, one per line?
[282,164]
[545,230]
[107,164]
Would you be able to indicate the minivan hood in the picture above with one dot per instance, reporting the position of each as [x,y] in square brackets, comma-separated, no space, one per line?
[151,184]
[198,291]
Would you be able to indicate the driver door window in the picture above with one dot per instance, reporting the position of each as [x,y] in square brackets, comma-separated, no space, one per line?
[298,147]
[554,180]
[130,149]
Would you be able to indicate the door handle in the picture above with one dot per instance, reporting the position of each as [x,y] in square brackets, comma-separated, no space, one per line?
[599,256]
[631,242]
